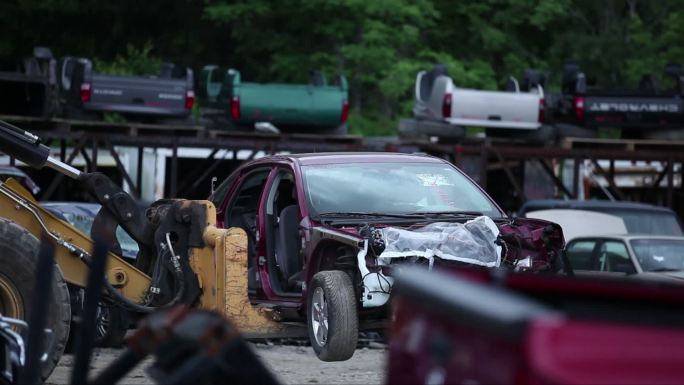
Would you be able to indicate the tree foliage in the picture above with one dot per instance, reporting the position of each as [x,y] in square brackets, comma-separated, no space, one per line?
[379,45]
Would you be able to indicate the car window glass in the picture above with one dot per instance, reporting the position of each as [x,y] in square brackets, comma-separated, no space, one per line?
[395,188]
[221,190]
[649,222]
[244,207]
[614,257]
[580,254]
[659,254]
[282,193]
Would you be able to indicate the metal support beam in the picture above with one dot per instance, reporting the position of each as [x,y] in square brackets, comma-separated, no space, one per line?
[206,173]
[138,176]
[510,176]
[575,177]
[559,183]
[484,160]
[86,158]
[174,170]
[191,177]
[62,150]
[611,183]
[660,176]
[458,155]
[611,170]
[94,155]
[58,179]
[670,183]
[122,170]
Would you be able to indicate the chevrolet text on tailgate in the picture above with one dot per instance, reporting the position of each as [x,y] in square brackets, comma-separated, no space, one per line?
[168,94]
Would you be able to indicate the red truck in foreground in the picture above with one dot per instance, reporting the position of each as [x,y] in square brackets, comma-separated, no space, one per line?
[480,327]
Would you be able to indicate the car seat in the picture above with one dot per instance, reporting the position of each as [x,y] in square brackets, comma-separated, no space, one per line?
[288,247]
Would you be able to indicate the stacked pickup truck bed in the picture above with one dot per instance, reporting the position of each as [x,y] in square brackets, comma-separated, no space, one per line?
[168,94]
[649,111]
[28,86]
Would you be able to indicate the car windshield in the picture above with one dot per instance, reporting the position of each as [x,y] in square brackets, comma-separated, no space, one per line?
[659,254]
[393,188]
[649,222]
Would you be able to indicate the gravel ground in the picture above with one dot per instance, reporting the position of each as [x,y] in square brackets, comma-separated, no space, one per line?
[291,364]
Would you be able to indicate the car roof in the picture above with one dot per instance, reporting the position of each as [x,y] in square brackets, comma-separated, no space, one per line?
[76,208]
[590,205]
[630,237]
[351,157]
[10,170]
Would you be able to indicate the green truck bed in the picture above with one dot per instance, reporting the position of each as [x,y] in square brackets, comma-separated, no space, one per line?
[313,107]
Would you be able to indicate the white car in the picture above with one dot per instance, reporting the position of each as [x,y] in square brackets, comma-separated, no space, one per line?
[650,257]
[520,110]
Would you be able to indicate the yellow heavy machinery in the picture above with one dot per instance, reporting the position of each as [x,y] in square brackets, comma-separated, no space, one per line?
[183,258]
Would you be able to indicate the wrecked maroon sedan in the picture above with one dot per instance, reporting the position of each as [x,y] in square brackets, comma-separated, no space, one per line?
[325,232]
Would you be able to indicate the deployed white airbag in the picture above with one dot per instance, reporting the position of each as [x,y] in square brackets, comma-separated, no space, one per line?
[471,242]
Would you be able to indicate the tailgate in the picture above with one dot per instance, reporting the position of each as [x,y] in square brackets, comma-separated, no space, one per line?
[632,111]
[289,104]
[494,109]
[138,94]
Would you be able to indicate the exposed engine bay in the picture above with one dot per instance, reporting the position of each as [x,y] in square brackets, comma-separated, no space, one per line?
[479,241]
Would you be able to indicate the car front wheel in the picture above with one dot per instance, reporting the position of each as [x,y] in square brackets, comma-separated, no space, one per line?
[332,315]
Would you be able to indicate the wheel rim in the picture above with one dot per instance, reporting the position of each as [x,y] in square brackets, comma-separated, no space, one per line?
[102,320]
[319,317]
[11,304]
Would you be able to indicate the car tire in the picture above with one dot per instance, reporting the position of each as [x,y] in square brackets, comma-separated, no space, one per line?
[18,260]
[332,316]
[112,325]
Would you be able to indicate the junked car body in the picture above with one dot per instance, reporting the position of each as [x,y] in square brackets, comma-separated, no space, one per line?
[645,256]
[440,104]
[639,218]
[325,232]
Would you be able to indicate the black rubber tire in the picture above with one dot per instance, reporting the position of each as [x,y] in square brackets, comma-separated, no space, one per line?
[573,131]
[18,260]
[343,320]
[118,321]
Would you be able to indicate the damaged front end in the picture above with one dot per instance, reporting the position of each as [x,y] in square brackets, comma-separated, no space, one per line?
[516,245]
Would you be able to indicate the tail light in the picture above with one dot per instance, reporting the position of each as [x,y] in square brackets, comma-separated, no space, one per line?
[85,92]
[235,107]
[578,103]
[446,106]
[189,99]
[345,112]
[542,107]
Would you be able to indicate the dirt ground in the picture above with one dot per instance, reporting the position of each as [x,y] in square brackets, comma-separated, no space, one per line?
[291,364]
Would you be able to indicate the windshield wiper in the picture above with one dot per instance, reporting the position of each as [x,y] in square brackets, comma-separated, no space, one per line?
[370,214]
[664,270]
[459,214]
